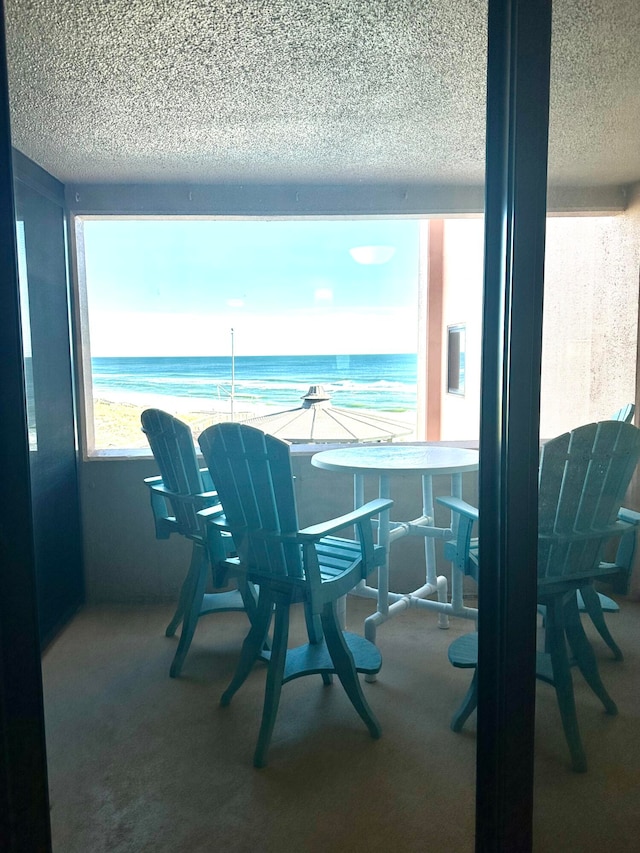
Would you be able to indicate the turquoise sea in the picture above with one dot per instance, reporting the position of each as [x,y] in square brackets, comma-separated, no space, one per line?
[380,382]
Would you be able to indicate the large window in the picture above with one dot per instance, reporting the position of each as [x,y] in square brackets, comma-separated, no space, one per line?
[213,319]
[235,319]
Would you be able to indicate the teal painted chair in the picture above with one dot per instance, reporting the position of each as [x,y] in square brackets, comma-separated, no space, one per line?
[618,573]
[596,604]
[583,477]
[178,496]
[311,567]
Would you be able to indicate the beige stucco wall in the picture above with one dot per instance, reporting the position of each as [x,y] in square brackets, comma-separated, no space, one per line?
[463,253]
[590,319]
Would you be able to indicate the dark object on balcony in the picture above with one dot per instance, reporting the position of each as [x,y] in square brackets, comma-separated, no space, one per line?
[177,496]
[252,472]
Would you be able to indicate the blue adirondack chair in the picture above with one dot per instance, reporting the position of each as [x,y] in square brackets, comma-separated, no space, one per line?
[583,477]
[313,567]
[596,604]
[178,496]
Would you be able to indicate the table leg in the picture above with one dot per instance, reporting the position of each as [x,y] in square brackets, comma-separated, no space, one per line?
[384,610]
[383,539]
[438,584]
[456,576]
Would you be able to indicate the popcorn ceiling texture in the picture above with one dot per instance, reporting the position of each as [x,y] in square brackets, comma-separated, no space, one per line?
[304,90]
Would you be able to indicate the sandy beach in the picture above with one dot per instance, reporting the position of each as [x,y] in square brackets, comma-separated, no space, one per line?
[117,419]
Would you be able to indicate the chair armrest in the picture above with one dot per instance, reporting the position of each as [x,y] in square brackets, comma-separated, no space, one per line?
[211,512]
[170,509]
[368,510]
[315,531]
[625,552]
[459,550]
[460,506]
[215,519]
[161,489]
[629,515]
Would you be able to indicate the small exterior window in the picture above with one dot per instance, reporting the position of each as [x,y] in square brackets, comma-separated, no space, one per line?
[455,359]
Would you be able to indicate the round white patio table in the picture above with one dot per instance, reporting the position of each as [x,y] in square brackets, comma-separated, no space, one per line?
[428,460]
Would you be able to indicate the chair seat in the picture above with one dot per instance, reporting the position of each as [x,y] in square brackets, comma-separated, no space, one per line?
[463,653]
[337,555]
[336,560]
[221,602]
[607,604]
[315,659]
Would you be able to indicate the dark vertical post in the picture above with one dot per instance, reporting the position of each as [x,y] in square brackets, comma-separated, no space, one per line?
[24,809]
[515,210]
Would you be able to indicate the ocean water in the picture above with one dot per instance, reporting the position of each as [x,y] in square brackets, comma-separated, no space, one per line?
[380,382]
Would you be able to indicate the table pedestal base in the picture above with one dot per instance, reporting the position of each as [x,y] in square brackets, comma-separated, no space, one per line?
[399,602]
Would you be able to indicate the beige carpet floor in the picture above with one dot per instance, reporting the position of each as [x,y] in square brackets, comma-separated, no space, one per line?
[141,762]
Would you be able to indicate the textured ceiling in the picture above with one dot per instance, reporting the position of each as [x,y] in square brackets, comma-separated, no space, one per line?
[305,90]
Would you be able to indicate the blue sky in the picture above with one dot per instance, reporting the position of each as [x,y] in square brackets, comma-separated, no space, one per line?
[286,287]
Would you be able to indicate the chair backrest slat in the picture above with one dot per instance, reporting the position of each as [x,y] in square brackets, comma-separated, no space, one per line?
[583,477]
[173,449]
[625,414]
[252,472]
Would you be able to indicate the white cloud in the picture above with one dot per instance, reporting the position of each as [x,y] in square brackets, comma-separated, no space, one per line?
[323,294]
[372,254]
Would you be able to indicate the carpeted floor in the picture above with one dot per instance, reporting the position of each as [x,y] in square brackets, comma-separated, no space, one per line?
[141,762]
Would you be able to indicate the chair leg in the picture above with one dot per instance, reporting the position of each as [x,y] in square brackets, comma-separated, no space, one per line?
[315,635]
[467,706]
[314,625]
[273,688]
[593,608]
[176,619]
[185,595]
[584,655]
[252,645]
[249,594]
[193,591]
[555,637]
[345,668]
